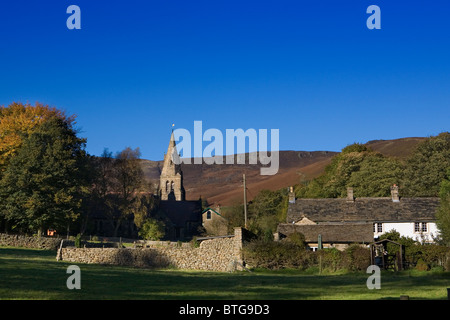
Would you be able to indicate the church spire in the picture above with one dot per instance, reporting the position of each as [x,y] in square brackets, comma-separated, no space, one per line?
[171,179]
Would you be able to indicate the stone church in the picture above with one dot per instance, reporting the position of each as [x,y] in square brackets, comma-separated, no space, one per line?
[183,218]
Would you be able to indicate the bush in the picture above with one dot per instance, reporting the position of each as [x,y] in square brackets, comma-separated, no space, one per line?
[152,229]
[78,241]
[434,255]
[421,265]
[358,257]
[331,259]
[276,255]
[298,239]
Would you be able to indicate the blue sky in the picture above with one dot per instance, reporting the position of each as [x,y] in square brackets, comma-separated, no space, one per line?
[311,69]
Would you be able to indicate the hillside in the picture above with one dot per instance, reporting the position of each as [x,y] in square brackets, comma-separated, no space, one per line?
[222,184]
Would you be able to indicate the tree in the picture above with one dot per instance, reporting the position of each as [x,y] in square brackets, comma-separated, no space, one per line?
[100,197]
[127,182]
[370,173]
[45,182]
[17,121]
[266,210]
[375,176]
[426,167]
[142,206]
[443,213]
[152,229]
[234,215]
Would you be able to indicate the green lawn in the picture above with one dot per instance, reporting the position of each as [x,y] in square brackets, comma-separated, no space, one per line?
[35,274]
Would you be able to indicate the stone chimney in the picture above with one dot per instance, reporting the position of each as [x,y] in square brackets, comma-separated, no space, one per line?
[350,196]
[291,195]
[394,193]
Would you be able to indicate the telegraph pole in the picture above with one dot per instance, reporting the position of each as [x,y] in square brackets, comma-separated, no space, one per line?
[245,203]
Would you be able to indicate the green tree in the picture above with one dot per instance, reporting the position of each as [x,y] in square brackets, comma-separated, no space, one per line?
[152,229]
[266,210]
[370,173]
[44,184]
[375,176]
[234,215]
[443,213]
[427,166]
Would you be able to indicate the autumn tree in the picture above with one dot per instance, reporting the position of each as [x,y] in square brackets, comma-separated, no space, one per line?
[45,181]
[17,121]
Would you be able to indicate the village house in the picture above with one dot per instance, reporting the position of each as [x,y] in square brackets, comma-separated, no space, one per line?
[342,221]
[214,223]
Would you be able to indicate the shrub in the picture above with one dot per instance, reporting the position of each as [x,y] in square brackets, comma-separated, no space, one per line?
[358,257]
[78,241]
[152,229]
[421,265]
[298,239]
[434,255]
[276,255]
[331,259]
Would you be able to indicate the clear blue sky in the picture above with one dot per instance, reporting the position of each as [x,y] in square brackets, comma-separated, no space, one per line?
[311,69]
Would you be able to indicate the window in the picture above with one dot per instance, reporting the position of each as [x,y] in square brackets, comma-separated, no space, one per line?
[424,227]
[379,227]
[416,226]
[167,186]
[208,215]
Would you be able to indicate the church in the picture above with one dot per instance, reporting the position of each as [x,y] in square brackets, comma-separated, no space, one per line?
[183,218]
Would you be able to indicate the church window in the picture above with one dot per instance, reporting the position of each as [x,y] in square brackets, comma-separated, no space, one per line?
[172,186]
[208,215]
[167,186]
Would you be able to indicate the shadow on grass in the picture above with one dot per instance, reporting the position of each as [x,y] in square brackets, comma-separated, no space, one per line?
[35,274]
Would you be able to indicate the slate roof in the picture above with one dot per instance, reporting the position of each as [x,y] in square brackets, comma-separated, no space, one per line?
[180,212]
[364,210]
[331,233]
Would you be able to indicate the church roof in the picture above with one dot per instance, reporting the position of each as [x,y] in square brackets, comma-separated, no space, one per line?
[180,212]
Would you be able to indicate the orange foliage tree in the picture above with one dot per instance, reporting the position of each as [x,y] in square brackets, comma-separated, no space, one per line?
[17,121]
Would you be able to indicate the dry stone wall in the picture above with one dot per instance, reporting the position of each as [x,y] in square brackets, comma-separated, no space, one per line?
[218,254]
[11,240]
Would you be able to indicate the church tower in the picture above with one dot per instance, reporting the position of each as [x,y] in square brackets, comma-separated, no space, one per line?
[171,179]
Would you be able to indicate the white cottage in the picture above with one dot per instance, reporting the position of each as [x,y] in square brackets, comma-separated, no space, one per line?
[411,217]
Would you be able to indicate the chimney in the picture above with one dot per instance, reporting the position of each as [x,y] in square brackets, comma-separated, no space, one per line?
[291,195]
[394,193]
[350,194]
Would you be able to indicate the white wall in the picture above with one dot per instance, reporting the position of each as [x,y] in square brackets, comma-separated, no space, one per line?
[407,229]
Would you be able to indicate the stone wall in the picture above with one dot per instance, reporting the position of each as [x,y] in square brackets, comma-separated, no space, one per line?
[11,240]
[218,254]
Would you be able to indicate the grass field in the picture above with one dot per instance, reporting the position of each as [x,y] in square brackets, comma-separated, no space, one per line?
[35,274]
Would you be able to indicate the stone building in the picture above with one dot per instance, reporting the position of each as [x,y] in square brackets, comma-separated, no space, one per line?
[171,178]
[183,218]
[213,222]
[411,217]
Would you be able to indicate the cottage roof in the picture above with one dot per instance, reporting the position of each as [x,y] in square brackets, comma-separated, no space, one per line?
[331,233]
[363,210]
